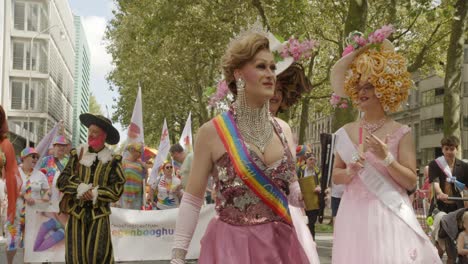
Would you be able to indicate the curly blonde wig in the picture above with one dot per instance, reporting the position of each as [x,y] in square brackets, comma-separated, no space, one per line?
[386,71]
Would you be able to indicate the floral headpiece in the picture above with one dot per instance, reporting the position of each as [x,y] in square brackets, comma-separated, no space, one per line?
[358,40]
[298,50]
[286,53]
[373,59]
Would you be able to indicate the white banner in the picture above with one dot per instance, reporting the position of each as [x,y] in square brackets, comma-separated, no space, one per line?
[134,233]
[44,239]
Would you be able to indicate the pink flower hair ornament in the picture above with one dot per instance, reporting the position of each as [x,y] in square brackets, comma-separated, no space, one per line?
[222,90]
[338,101]
[357,39]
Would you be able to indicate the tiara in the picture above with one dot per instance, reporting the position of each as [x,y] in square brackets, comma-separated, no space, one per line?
[256,27]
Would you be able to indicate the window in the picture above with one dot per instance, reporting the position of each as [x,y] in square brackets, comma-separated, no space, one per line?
[19,14]
[20,95]
[434,96]
[22,59]
[33,17]
[428,154]
[439,95]
[428,98]
[30,16]
[432,126]
[18,55]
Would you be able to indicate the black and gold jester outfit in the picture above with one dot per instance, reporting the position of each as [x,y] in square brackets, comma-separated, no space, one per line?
[88,237]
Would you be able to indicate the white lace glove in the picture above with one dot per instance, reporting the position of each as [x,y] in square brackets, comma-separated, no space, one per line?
[95,194]
[187,220]
[82,189]
[295,195]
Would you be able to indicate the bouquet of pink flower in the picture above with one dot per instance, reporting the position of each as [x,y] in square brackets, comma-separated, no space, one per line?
[357,39]
[299,50]
[222,90]
[338,101]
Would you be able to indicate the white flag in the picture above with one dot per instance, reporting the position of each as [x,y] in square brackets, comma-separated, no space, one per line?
[186,137]
[135,129]
[46,142]
[163,151]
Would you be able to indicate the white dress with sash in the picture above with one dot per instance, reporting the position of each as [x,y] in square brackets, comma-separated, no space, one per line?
[375,221]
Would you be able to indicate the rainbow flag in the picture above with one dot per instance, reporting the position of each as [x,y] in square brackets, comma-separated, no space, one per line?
[247,170]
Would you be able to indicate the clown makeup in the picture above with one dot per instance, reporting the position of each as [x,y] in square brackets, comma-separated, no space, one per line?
[96,137]
[259,76]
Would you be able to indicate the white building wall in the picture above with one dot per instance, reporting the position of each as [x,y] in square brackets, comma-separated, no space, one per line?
[53,66]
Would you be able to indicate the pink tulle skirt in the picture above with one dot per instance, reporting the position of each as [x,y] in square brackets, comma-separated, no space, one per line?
[257,244]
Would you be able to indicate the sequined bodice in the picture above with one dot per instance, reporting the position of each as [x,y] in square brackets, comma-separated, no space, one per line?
[236,204]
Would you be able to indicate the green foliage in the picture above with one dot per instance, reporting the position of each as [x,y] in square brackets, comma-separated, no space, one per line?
[94,107]
[173,48]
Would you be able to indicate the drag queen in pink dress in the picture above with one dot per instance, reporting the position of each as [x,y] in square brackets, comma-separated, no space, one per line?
[248,152]
[375,159]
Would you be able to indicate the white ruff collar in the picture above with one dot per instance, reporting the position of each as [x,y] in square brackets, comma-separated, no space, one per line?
[105,155]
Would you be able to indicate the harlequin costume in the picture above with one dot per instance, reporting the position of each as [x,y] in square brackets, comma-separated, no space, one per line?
[87,234]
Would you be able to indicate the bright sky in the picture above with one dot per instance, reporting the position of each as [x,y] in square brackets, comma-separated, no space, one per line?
[96,14]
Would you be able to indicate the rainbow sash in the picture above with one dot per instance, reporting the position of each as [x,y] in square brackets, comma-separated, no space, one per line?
[246,168]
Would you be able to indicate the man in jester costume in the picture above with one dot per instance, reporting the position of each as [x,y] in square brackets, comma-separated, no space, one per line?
[92,179]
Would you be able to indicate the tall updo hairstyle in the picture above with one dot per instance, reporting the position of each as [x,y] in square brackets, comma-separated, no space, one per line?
[239,52]
[292,83]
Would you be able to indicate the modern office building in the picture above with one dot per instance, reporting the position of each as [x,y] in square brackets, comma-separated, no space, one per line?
[82,81]
[38,65]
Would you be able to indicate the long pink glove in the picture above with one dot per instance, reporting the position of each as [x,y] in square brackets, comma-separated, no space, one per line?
[295,195]
[187,220]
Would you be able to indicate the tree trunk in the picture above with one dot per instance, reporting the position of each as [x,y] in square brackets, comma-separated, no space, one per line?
[201,105]
[453,73]
[356,20]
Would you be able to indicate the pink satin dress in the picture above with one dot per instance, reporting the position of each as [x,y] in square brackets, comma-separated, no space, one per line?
[245,229]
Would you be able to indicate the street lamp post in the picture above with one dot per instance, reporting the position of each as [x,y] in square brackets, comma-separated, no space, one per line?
[30,80]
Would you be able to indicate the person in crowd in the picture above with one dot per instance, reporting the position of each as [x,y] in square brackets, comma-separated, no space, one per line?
[54,164]
[375,158]
[310,169]
[9,172]
[179,156]
[443,171]
[291,84]
[135,176]
[462,241]
[92,179]
[167,189]
[34,190]
[8,168]
[240,148]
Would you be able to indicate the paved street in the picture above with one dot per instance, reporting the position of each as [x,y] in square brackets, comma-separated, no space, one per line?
[324,244]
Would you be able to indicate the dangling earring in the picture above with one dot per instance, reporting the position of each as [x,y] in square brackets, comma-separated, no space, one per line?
[240,83]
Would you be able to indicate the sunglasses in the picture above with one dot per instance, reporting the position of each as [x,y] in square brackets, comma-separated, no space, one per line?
[168,167]
[34,156]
